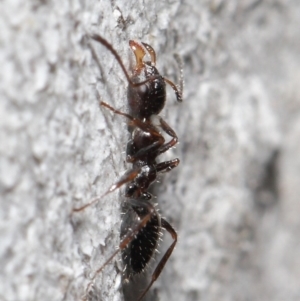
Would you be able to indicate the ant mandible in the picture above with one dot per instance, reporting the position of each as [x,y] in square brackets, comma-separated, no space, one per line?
[141,223]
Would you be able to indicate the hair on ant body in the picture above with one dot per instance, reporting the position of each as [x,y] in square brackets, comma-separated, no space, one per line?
[141,223]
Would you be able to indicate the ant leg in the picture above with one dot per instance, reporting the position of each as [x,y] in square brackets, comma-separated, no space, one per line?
[163,261]
[104,104]
[146,127]
[167,165]
[158,147]
[171,133]
[179,61]
[129,176]
[131,235]
[178,90]
[149,128]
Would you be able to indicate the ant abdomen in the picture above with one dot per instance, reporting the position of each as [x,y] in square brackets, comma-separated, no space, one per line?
[139,251]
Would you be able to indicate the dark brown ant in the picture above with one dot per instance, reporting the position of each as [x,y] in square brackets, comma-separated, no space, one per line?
[141,223]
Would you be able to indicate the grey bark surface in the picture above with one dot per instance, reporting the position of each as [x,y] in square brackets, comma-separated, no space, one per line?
[234,199]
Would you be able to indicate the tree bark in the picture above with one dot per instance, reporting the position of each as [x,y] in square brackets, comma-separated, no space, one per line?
[234,197]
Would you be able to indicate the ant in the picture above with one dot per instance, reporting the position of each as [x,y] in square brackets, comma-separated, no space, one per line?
[141,223]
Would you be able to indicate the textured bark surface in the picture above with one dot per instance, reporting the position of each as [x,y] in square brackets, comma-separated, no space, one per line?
[234,197]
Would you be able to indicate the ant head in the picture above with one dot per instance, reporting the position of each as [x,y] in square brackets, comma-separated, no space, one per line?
[148,98]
